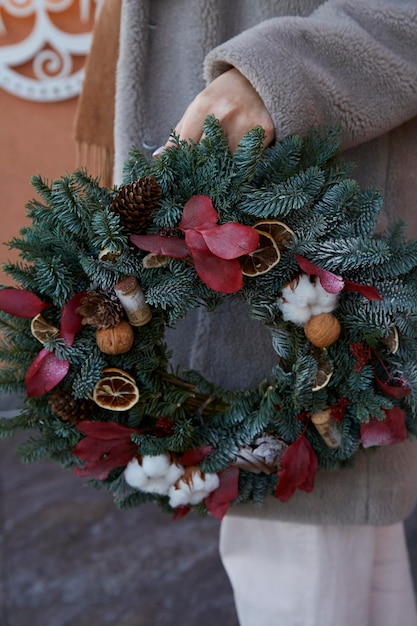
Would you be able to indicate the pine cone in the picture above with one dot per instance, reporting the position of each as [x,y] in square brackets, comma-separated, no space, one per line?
[136,202]
[100,309]
[68,408]
[263,456]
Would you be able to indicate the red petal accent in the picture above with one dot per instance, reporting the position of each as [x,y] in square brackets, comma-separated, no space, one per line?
[193,457]
[218,501]
[91,449]
[70,320]
[195,241]
[396,387]
[218,274]
[362,353]
[385,432]
[332,283]
[44,373]
[106,446]
[338,410]
[105,430]
[298,469]
[198,212]
[20,302]
[370,293]
[231,240]
[180,512]
[164,426]
[104,457]
[161,244]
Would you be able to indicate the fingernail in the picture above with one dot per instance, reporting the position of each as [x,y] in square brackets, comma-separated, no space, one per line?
[158,151]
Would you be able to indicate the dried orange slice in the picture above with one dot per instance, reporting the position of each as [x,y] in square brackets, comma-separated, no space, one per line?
[263,258]
[115,371]
[392,340]
[153,259]
[42,330]
[280,232]
[108,255]
[115,392]
[324,374]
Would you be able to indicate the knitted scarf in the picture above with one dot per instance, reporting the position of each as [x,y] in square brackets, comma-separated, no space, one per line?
[94,118]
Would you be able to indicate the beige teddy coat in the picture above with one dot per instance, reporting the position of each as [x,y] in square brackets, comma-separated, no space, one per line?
[353,62]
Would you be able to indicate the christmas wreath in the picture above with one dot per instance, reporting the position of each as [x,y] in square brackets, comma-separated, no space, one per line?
[103,272]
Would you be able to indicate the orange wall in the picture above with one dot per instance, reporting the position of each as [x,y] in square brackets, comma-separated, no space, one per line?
[35,138]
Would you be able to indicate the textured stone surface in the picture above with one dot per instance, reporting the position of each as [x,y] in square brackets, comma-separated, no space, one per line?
[70,558]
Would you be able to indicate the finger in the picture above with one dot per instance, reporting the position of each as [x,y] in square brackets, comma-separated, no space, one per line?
[190,128]
[169,143]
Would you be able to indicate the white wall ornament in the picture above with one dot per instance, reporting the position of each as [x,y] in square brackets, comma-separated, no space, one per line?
[48,49]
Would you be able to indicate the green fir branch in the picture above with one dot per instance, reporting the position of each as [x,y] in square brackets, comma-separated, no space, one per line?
[298,181]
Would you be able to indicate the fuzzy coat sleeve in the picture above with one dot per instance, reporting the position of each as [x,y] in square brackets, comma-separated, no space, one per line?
[351,62]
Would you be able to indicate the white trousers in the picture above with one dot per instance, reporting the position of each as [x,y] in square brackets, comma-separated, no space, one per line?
[286,574]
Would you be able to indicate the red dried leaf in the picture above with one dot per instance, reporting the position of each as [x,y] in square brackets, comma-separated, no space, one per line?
[44,373]
[298,469]
[218,274]
[304,417]
[106,430]
[195,241]
[362,353]
[193,457]
[368,292]
[231,240]
[218,501]
[21,302]
[164,426]
[396,387]
[180,512]
[71,321]
[385,432]
[107,445]
[339,409]
[91,449]
[161,244]
[198,213]
[332,283]
[102,456]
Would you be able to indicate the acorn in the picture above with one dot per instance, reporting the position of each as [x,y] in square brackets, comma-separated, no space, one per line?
[322,330]
[115,340]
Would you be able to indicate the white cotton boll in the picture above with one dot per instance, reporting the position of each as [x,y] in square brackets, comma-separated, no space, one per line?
[134,474]
[179,495]
[301,299]
[198,489]
[174,473]
[316,309]
[156,465]
[211,482]
[300,291]
[192,490]
[292,313]
[136,477]
[296,298]
[155,474]
[325,302]
[202,487]
[306,289]
[158,485]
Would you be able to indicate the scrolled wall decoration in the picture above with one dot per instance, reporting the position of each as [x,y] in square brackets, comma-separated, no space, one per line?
[47,51]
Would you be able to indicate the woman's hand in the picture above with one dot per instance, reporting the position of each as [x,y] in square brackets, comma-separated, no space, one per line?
[234,102]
